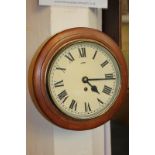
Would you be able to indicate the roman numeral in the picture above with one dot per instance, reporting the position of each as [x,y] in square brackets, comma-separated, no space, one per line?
[62,69]
[59,84]
[109,76]
[82,52]
[107,90]
[104,63]
[70,57]
[94,55]
[65,99]
[73,105]
[87,107]
[100,101]
[62,95]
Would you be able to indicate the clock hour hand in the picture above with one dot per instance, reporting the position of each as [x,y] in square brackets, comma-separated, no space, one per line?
[93,87]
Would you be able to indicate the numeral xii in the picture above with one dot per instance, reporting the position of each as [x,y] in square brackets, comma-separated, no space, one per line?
[82,52]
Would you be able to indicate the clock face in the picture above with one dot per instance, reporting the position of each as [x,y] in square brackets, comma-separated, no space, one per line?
[83,79]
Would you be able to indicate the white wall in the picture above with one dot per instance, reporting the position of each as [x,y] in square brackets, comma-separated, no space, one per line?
[44,138]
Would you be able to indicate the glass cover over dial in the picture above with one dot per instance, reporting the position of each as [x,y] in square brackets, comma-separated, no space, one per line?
[83,79]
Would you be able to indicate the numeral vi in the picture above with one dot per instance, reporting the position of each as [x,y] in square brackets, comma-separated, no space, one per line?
[87,107]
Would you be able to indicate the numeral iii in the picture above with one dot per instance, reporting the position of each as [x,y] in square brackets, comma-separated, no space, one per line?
[107,90]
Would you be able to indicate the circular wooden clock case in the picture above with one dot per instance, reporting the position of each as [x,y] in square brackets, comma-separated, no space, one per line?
[79,79]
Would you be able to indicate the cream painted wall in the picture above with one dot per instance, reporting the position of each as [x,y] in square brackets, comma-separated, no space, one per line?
[44,138]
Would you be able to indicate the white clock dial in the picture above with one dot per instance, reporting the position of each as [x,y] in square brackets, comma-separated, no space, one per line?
[83,79]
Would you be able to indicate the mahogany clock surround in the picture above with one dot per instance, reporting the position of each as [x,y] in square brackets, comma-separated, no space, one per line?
[41,94]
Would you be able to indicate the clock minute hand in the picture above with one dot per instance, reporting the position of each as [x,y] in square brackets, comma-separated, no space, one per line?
[99,79]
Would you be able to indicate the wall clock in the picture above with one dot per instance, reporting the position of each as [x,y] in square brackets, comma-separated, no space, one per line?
[79,79]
